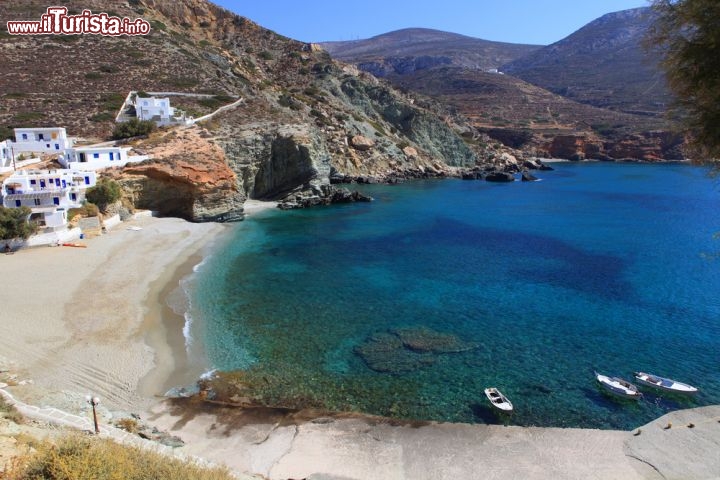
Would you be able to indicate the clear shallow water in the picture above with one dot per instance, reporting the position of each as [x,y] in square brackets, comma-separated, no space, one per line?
[599,266]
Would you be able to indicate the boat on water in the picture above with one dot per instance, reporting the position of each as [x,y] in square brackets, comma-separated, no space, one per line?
[498,400]
[663,383]
[618,386]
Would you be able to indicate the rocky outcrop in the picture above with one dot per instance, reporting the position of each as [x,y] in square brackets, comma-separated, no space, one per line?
[187,178]
[423,128]
[499,177]
[326,195]
[297,158]
[358,142]
[528,177]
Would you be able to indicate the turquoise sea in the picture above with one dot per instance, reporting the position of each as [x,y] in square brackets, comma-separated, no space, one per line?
[411,305]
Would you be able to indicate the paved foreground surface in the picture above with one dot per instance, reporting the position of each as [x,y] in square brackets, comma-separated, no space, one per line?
[283,447]
[683,445]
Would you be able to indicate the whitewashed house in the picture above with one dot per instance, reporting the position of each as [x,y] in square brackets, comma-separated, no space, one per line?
[95,158]
[158,110]
[48,193]
[153,109]
[41,140]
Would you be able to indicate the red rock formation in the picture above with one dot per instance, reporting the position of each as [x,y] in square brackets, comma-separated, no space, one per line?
[187,177]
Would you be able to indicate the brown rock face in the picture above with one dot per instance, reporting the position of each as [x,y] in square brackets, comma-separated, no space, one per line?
[188,177]
[648,147]
[571,147]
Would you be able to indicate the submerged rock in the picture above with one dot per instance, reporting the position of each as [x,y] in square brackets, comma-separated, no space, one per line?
[408,349]
[385,353]
[423,339]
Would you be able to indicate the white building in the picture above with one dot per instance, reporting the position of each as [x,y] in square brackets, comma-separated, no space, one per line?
[154,109]
[48,193]
[95,158]
[158,110]
[6,160]
[41,140]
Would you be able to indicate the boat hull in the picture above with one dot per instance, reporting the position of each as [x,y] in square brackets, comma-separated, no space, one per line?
[664,384]
[498,400]
[618,387]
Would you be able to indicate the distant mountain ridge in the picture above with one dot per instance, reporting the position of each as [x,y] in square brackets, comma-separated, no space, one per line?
[412,49]
[602,64]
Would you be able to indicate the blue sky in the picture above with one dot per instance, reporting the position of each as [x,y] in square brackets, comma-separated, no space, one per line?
[515,21]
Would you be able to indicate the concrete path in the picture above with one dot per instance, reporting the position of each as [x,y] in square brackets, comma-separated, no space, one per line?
[58,417]
[280,446]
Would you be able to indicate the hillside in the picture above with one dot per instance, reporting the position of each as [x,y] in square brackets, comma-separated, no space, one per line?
[591,91]
[602,64]
[413,49]
[495,100]
[524,116]
[303,119]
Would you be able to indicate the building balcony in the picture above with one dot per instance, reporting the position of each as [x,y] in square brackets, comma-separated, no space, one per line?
[32,194]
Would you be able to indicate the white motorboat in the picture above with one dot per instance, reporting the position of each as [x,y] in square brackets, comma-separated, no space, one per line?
[618,386]
[663,383]
[498,400]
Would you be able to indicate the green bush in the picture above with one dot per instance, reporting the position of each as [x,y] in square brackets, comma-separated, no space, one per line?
[14,223]
[133,128]
[104,193]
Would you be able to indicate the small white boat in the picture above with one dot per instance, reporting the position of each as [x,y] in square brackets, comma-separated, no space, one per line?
[664,383]
[498,400]
[618,386]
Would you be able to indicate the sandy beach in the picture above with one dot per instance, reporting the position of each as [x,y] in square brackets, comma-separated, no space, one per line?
[90,320]
[95,320]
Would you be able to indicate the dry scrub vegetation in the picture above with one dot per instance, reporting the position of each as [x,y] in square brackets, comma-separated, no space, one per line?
[77,457]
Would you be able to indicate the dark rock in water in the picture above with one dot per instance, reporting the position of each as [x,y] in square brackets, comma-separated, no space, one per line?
[471,176]
[528,177]
[408,349]
[385,353]
[536,164]
[422,339]
[544,166]
[325,195]
[499,177]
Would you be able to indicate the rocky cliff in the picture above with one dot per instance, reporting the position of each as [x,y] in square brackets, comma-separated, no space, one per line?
[188,177]
[647,146]
[304,117]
